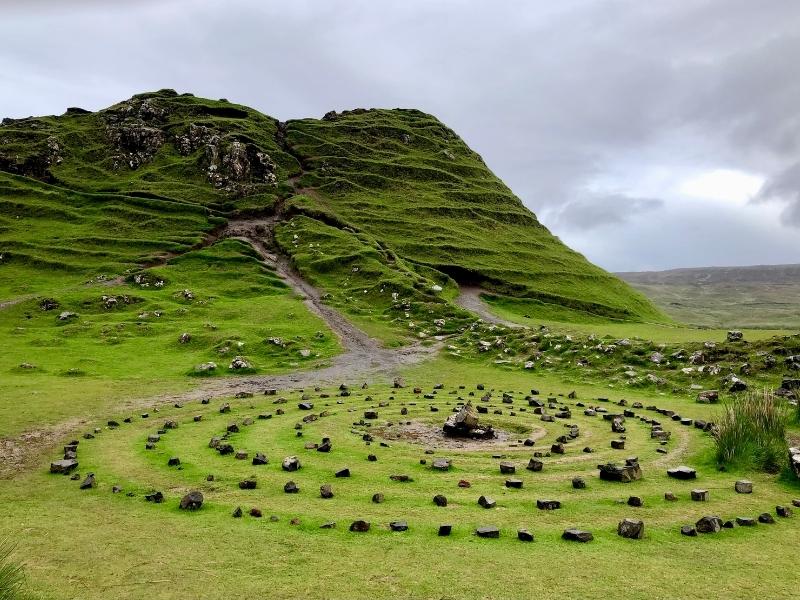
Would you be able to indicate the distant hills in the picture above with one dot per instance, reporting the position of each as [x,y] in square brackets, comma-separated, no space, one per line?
[765,296]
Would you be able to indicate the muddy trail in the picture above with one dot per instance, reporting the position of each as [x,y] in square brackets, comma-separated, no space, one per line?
[363,358]
[469,298]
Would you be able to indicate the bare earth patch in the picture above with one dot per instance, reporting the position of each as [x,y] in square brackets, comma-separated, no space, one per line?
[432,436]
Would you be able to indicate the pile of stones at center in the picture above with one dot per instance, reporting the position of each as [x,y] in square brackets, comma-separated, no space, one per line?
[464,424]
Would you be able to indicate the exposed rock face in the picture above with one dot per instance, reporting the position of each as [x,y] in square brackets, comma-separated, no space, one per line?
[577,535]
[464,424]
[133,128]
[232,165]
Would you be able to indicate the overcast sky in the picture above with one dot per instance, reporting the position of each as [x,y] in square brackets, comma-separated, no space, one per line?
[647,135]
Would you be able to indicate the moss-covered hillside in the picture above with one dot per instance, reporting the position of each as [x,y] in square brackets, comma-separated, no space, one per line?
[385,210]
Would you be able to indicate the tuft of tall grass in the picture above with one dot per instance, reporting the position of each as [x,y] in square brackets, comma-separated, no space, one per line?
[12,577]
[751,432]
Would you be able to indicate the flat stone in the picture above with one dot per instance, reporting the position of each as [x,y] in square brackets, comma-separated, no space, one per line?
[746,521]
[442,464]
[507,468]
[743,486]
[445,530]
[783,511]
[63,466]
[699,495]
[398,526]
[488,531]
[548,504]
[440,500]
[682,472]
[523,535]
[765,518]
[577,535]
[688,530]
[514,483]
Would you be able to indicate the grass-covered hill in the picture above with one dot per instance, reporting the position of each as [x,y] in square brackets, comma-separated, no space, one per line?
[112,217]
[395,189]
[408,180]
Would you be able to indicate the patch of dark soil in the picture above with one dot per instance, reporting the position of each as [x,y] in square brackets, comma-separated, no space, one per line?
[432,436]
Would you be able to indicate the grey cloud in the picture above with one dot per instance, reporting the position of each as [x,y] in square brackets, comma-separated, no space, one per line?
[785,189]
[590,212]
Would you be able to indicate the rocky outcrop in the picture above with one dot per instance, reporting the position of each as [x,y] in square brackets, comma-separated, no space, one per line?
[231,164]
[465,424]
[133,128]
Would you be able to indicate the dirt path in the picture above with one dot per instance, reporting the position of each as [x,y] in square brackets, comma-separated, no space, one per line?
[363,359]
[9,303]
[469,298]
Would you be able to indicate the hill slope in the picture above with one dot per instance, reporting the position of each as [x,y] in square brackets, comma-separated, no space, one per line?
[380,209]
[753,296]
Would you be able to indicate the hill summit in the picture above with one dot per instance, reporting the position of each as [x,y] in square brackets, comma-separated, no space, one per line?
[386,212]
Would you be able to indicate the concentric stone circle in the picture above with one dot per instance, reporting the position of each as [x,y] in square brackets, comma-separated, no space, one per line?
[329,458]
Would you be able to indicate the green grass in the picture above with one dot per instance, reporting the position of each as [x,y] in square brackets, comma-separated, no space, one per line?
[238,306]
[391,212]
[750,297]
[229,554]
[12,578]
[410,182]
[751,432]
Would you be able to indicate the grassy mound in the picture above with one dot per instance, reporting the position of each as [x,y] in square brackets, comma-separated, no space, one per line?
[409,181]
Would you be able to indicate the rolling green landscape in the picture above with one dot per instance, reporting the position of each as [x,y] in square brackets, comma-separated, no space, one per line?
[192,293]
[765,296]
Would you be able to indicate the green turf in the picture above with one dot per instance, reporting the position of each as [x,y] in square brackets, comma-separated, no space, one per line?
[386,212]
[229,555]
[412,183]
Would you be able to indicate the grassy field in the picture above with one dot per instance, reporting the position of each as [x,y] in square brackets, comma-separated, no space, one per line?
[135,246]
[240,556]
[751,297]
[534,314]
[237,307]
